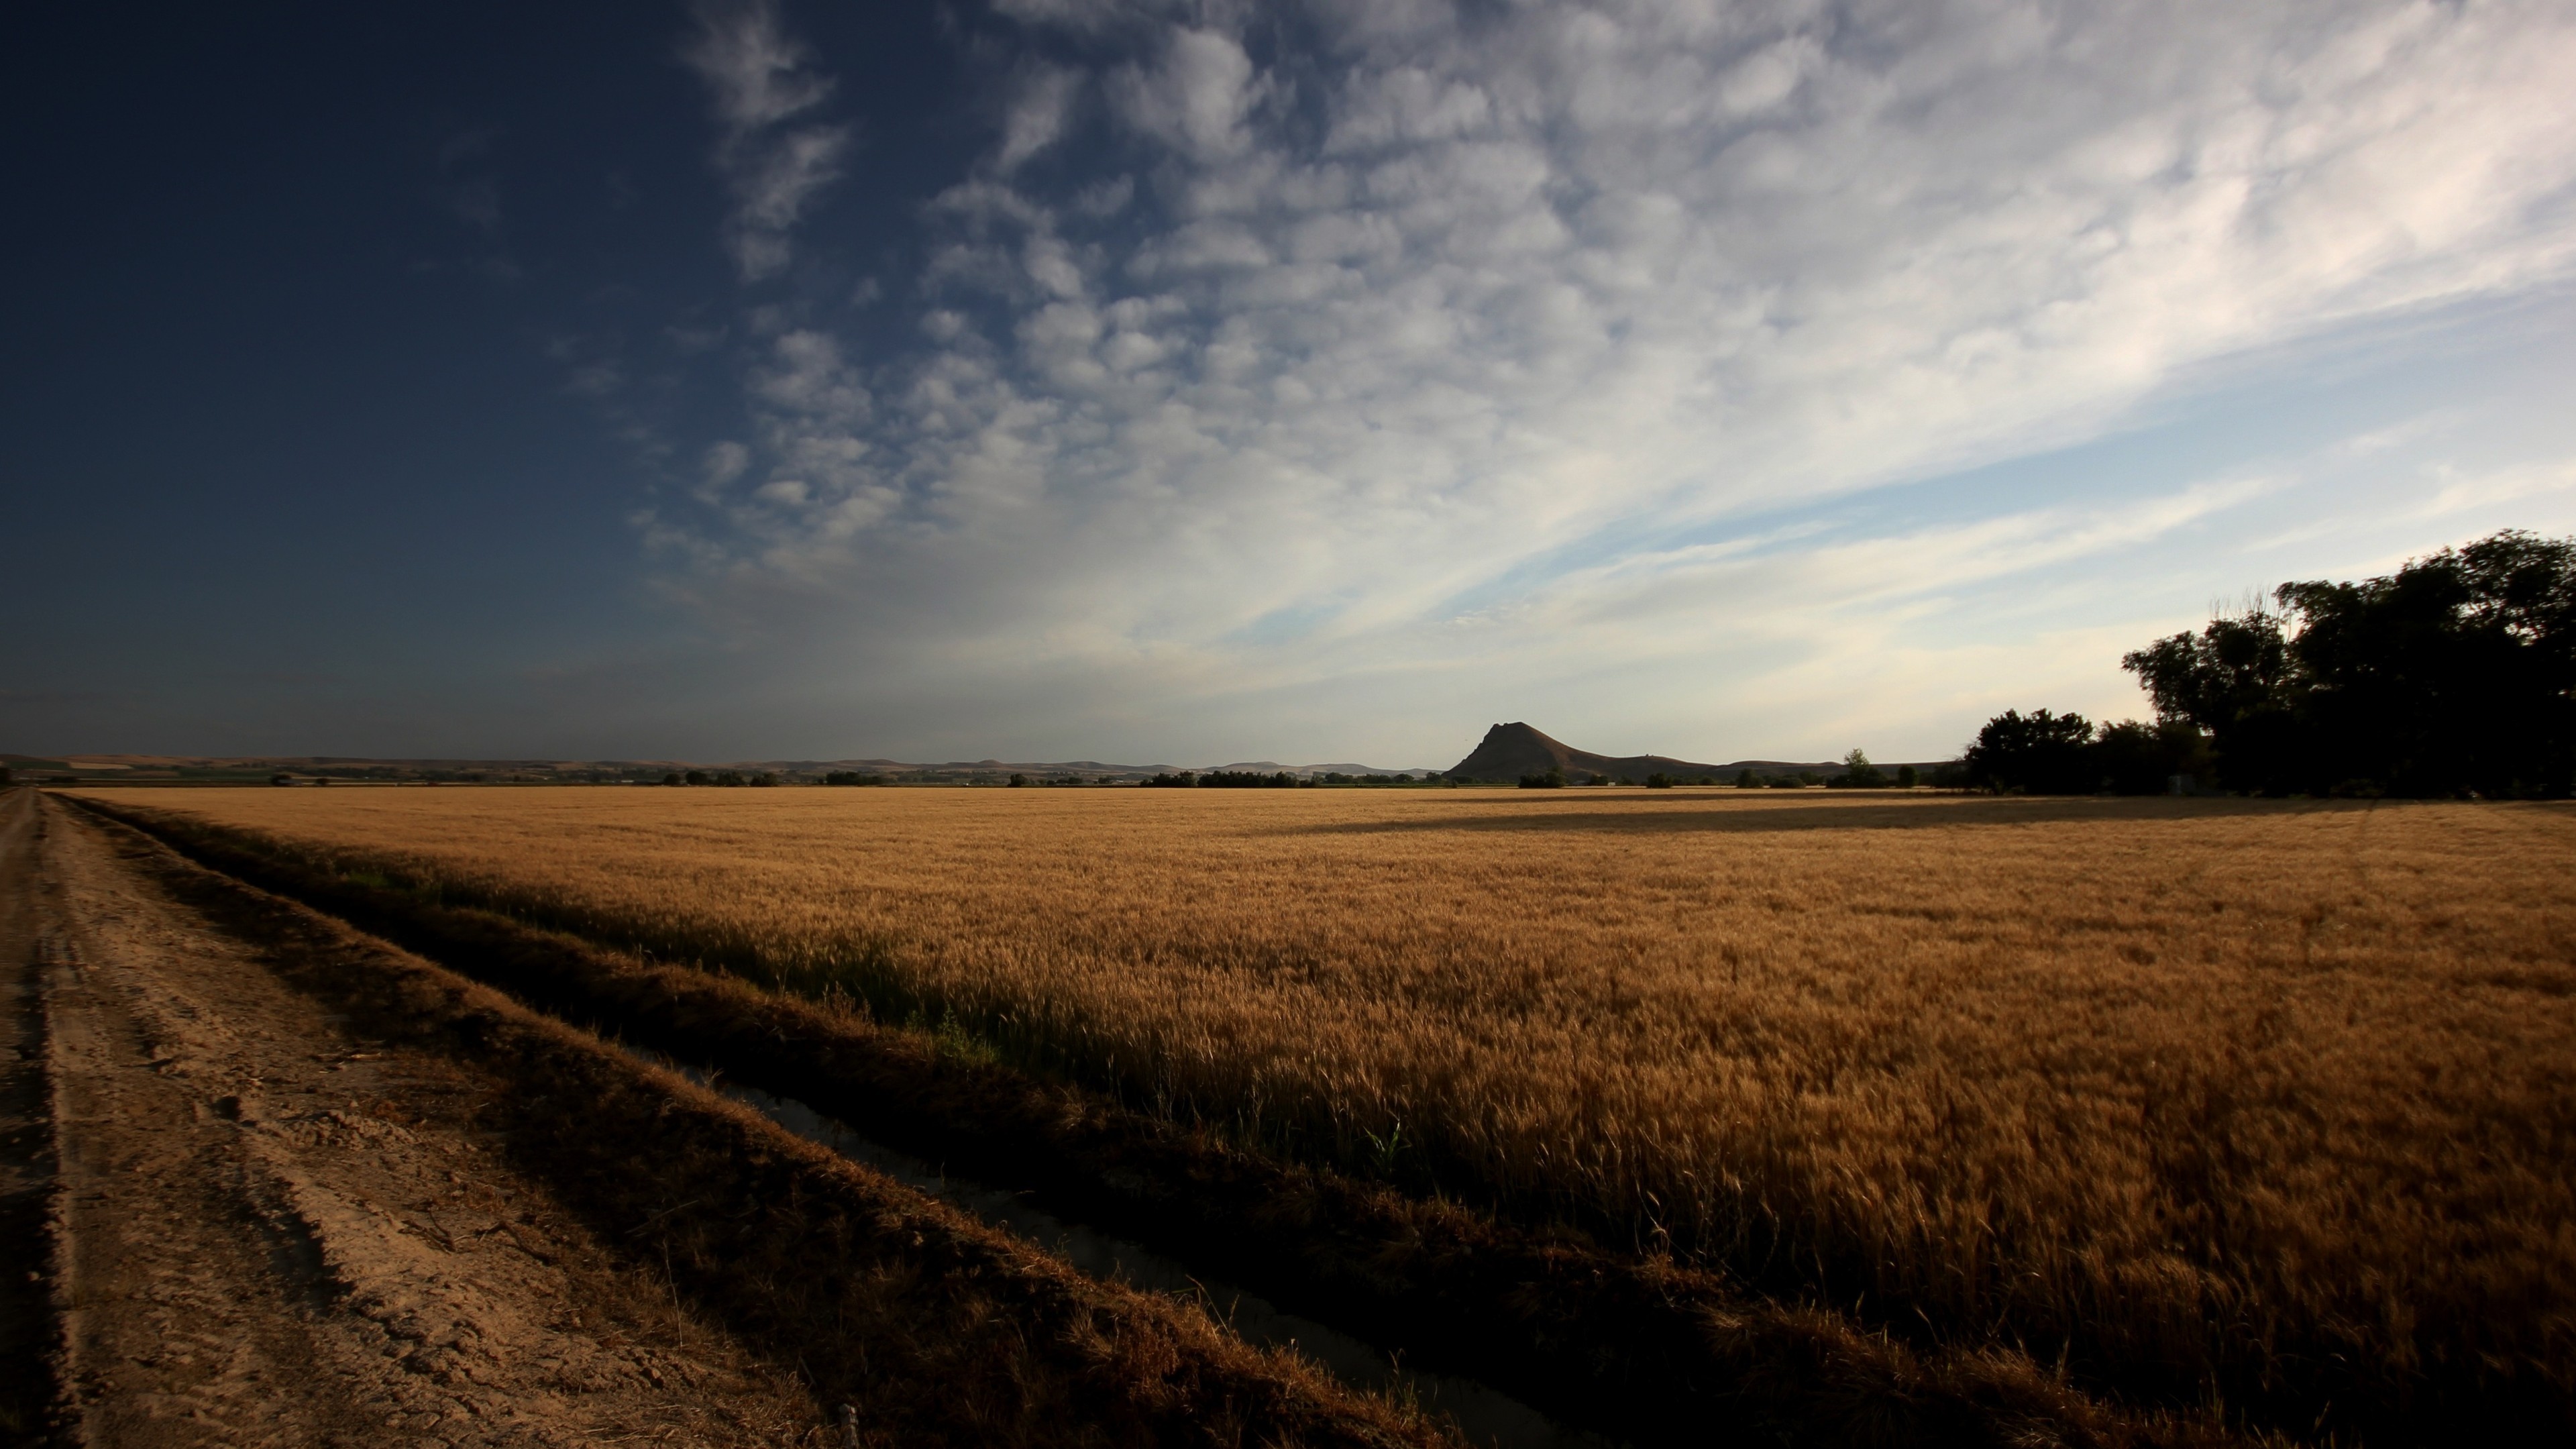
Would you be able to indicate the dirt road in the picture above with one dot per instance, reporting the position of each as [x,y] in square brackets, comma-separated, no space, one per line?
[267,1231]
[269,1180]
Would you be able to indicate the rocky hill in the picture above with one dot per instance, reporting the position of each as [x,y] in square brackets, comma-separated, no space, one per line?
[1510,751]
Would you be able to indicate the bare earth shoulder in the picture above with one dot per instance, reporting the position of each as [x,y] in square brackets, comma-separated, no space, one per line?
[257,1248]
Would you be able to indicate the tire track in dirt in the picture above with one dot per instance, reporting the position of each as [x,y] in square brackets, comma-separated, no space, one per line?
[258,1254]
[302,1164]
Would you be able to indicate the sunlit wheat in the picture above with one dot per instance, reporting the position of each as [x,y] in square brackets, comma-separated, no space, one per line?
[2278,1093]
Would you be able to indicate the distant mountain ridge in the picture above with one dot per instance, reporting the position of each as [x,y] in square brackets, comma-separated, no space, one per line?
[1510,751]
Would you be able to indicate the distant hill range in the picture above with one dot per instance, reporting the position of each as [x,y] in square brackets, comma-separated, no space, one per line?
[1510,751]
[236,769]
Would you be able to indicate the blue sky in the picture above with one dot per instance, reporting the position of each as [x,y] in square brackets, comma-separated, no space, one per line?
[1058,379]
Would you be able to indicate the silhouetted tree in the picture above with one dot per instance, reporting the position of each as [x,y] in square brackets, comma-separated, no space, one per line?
[2039,753]
[2235,681]
[2455,674]
[2130,758]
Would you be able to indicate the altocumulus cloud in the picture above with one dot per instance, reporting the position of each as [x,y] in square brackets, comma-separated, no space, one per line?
[1383,351]
[762,79]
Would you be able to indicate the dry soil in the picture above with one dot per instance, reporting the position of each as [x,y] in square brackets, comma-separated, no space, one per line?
[260,1229]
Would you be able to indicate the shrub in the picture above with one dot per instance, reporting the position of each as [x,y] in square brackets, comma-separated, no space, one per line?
[1858,774]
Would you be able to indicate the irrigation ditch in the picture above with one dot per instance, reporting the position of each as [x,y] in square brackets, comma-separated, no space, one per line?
[1609,1343]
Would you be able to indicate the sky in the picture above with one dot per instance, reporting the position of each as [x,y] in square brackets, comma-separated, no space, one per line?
[1170,382]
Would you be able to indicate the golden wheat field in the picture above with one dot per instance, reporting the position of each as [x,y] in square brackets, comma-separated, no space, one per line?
[2259,1097]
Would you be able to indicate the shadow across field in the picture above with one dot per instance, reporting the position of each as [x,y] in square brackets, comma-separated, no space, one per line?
[1685,815]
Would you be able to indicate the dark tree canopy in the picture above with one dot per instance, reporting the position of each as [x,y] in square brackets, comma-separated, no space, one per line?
[2039,752]
[2455,674]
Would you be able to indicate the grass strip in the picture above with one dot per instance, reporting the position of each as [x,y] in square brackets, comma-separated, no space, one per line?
[1632,1344]
[944,1331]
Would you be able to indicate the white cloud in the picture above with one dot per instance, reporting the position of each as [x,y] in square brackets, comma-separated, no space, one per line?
[725,462]
[1041,106]
[1194,97]
[2461,491]
[761,78]
[1303,349]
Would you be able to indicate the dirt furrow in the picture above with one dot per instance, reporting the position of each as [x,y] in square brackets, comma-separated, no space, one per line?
[314,1190]
[257,1252]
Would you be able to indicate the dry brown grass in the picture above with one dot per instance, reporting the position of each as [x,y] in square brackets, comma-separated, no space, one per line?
[2266,1101]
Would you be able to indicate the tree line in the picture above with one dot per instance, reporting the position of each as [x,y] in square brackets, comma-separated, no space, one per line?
[1226,780]
[720,777]
[2455,675]
[1857,774]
